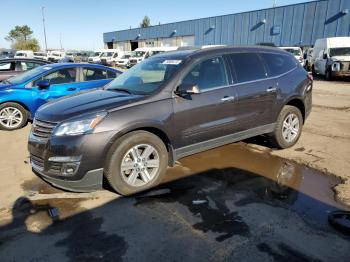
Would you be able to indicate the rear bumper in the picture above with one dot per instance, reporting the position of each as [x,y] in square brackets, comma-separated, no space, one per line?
[91,181]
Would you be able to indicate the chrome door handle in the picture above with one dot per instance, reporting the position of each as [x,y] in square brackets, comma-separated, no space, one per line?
[227,98]
[271,89]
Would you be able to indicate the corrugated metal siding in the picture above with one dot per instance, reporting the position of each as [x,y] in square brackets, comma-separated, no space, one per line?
[300,24]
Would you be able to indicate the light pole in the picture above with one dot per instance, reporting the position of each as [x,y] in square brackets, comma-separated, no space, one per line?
[274,3]
[42,12]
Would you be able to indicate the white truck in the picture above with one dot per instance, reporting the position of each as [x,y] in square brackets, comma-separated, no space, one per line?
[109,57]
[143,53]
[123,60]
[41,55]
[332,57]
[24,54]
[296,51]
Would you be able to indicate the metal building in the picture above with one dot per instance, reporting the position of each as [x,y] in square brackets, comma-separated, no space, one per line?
[292,25]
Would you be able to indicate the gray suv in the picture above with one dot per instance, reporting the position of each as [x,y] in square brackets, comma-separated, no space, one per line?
[169,106]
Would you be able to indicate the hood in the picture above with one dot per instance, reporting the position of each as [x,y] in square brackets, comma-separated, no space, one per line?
[4,86]
[340,58]
[84,103]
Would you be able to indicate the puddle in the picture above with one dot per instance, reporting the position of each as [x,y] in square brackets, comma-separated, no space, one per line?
[38,186]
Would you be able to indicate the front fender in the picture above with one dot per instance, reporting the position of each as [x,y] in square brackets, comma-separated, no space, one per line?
[22,97]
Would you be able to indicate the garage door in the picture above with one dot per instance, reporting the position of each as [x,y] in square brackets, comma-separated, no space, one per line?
[167,42]
[188,40]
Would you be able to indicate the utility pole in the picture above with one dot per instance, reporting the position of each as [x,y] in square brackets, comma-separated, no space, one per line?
[42,12]
[61,41]
[274,3]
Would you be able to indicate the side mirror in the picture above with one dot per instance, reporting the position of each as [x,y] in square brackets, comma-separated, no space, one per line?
[325,56]
[187,89]
[43,84]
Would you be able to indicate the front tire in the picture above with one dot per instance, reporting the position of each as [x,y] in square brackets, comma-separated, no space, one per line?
[288,127]
[12,116]
[137,161]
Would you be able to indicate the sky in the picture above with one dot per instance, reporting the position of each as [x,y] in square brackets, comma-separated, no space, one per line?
[80,24]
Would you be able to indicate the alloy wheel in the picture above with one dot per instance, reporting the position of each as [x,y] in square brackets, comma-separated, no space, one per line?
[291,127]
[140,165]
[11,117]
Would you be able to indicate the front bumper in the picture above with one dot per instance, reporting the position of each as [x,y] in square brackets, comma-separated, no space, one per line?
[89,152]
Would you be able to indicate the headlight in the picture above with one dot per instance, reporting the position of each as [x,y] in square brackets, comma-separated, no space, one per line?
[336,66]
[78,127]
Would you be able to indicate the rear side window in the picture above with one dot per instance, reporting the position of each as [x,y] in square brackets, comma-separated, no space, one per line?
[5,66]
[91,74]
[248,67]
[111,74]
[278,64]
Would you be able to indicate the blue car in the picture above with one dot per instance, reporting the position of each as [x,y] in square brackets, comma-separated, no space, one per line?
[22,95]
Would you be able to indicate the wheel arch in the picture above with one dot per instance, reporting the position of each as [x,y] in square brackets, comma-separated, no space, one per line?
[298,103]
[21,104]
[153,129]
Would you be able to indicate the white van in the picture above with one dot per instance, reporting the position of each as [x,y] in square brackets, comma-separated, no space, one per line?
[296,51]
[332,57]
[96,56]
[55,56]
[24,54]
[109,57]
[143,53]
[123,60]
[41,55]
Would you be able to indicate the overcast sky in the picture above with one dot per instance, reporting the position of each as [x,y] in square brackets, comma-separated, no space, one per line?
[81,23]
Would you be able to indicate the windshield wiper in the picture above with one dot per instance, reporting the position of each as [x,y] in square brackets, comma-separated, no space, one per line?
[121,90]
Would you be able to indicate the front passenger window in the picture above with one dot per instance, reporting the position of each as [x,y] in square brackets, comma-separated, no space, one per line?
[208,74]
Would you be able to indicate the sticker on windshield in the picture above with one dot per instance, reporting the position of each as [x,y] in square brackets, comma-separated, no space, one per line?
[172,62]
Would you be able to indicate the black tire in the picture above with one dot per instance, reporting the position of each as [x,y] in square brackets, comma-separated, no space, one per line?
[276,137]
[313,70]
[328,75]
[119,150]
[23,111]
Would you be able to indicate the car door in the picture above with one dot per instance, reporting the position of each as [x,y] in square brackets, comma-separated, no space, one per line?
[255,92]
[320,62]
[208,114]
[92,78]
[63,82]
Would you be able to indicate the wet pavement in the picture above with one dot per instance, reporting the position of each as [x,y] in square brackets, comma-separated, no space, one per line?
[227,204]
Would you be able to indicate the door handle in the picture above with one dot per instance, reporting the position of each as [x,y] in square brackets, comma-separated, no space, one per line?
[271,89]
[227,98]
[72,89]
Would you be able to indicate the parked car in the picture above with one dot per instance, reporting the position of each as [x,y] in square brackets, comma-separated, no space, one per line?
[296,52]
[41,55]
[143,53]
[7,53]
[24,54]
[332,57]
[16,66]
[169,106]
[22,95]
[55,56]
[123,60]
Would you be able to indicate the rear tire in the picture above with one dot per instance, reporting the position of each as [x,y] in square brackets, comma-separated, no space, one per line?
[288,128]
[130,168]
[12,116]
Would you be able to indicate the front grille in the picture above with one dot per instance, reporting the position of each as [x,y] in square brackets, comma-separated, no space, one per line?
[43,129]
[37,162]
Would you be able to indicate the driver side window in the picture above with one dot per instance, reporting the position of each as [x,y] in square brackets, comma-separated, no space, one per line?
[61,76]
[208,74]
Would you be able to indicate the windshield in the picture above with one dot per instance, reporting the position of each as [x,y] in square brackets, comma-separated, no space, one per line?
[20,54]
[293,51]
[145,77]
[97,53]
[40,54]
[138,54]
[340,51]
[125,57]
[28,75]
[107,54]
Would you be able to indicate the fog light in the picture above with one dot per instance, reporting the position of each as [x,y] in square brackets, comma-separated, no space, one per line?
[69,169]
